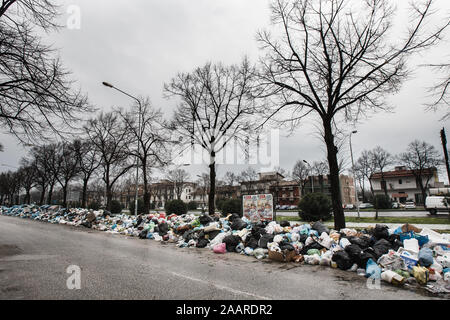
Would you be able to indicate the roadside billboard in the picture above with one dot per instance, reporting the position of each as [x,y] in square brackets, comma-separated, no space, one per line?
[258,208]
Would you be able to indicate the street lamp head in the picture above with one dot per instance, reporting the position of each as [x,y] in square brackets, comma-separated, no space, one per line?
[106,84]
[355,132]
[305,161]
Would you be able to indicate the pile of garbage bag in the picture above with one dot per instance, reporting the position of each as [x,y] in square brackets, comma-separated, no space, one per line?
[406,255]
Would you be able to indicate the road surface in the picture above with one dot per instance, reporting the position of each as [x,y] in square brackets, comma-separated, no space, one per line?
[34,258]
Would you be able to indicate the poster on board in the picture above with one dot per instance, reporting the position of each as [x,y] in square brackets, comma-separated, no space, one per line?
[258,208]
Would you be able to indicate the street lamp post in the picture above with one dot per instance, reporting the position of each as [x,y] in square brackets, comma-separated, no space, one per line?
[354,174]
[106,84]
[312,176]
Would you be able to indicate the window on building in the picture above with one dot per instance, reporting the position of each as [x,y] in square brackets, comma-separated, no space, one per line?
[400,181]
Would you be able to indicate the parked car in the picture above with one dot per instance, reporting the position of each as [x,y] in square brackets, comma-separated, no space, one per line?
[365,205]
[395,205]
[349,206]
[436,204]
[293,208]
[410,205]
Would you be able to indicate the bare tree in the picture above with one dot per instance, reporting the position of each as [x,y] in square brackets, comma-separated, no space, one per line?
[153,138]
[249,176]
[422,159]
[216,107]
[8,187]
[111,138]
[89,161]
[36,94]
[179,178]
[365,167]
[53,165]
[230,178]
[28,173]
[382,160]
[337,60]
[300,174]
[441,90]
[69,159]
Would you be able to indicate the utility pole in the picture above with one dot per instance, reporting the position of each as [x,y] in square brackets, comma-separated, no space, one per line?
[444,145]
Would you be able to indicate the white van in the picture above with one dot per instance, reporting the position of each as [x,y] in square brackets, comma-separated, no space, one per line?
[435,204]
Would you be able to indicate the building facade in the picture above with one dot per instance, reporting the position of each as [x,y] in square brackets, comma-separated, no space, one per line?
[402,185]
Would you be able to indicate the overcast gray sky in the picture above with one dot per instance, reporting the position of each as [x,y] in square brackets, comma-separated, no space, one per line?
[138,45]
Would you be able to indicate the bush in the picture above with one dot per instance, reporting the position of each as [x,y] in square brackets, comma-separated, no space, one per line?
[192,205]
[116,207]
[232,206]
[315,207]
[94,206]
[177,207]
[219,203]
[382,201]
[140,207]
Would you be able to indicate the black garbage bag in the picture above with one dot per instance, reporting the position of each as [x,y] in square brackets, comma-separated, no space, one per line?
[205,219]
[238,224]
[143,234]
[252,242]
[156,229]
[303,238]
[189,235]
[381,232]
[202,243]
[233,217]
[87,224]
[314,245]
[138,222]
[231,242]
[364,257]
[163,229]
[342,260]
[394,240]
[258,231]
[358,256]
[320,228]
[211,235]
[264,240]
[362,242]
[285,224]
[381,247]
[286,246]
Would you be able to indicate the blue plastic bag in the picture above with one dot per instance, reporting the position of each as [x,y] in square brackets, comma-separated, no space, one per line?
[426,257]
[373,271]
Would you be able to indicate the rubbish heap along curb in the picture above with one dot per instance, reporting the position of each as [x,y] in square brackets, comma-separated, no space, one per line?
[418,257]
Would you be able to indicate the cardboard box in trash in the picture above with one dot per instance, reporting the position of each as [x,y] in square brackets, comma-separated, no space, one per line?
[285,256]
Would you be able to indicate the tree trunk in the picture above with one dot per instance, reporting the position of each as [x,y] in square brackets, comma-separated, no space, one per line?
[41,199]
[108,197]
[146,194]
[332,150]
[65,196]
[84,195]
[27,196]
[212,181]
[50,193]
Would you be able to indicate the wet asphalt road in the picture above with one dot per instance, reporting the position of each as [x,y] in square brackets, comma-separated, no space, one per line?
[34,257]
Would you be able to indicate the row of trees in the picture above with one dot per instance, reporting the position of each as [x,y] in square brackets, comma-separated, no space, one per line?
[330,60]
[107,149]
